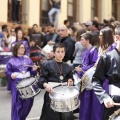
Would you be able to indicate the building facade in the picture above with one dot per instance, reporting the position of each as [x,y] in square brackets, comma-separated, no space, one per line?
[36,11]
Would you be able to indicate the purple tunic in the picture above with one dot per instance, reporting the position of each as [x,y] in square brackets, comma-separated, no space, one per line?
[90,108]
[20,107]
[25,43]
[89,59]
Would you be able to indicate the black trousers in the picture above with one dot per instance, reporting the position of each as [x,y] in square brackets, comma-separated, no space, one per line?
[109,111]
[49,114]
[15,10]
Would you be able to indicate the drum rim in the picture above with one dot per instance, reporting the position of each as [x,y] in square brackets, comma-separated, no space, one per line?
[32,95]
[27,85]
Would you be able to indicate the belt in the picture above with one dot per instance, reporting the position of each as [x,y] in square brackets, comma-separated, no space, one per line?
[22,75]
[113,90]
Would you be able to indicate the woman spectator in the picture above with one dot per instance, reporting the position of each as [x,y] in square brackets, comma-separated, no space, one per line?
[20,38]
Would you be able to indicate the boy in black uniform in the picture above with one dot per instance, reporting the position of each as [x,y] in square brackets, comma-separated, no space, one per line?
[55,71]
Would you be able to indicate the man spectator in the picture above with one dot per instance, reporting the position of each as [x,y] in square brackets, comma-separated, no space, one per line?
[67,23]
[95,26]
[48,38]
[67,41]
[37,35]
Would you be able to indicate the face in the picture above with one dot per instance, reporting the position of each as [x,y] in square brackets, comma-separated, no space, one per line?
[35,28]
[12,31]
[63,31]
[84,42]
[100,36]
[59,54]
[50,29]
[21,50]
[20,34]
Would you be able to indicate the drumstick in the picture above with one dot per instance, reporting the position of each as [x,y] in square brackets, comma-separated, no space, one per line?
[41,49]
[117,104]
[30,66]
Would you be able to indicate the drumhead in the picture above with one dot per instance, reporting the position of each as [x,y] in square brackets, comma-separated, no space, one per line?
[25,82]
[64,92]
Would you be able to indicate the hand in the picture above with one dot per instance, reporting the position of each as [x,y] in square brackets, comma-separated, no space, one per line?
[108,102]
[78,69]
[70,82]
[13,76]
[51,42]
[35,67]
[48,88]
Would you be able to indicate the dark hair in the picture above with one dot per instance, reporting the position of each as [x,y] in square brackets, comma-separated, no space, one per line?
[88,36]
[16,47]
[95,23]
[65,22]
[4,27]
[17,34]
[107,38]
[50,24]
[35,25]
[58,45]
[79,33]
[95,40]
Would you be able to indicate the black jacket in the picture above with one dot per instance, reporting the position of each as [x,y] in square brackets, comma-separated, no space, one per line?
[70,47]
[51,73]
[108,67]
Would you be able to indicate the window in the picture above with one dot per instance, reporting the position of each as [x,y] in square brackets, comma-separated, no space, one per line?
[44,11]
[94,8]
[72,10]
[114,8]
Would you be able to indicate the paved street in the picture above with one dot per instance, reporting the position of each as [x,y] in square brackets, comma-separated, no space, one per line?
[5,105]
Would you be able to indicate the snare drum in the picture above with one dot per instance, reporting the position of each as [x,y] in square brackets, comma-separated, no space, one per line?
[5,57]
[28,87]
[115,115]
[64,99]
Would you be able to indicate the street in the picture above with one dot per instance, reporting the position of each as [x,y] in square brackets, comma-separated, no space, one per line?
[5,105]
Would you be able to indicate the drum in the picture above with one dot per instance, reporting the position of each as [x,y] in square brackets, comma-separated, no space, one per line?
[28,87]
[36,55]
[64,99]
[5,57]
[115,115]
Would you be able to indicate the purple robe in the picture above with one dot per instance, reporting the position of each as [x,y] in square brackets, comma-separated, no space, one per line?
[20,107]
[90,108]
[25,43]
[89,59]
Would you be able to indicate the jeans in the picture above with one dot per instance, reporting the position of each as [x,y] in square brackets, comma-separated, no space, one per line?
[51,12]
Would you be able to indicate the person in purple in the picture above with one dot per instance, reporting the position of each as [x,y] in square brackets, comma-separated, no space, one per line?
[17,69]
[106,44]
[19,38]
[90,106]
[90,56]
